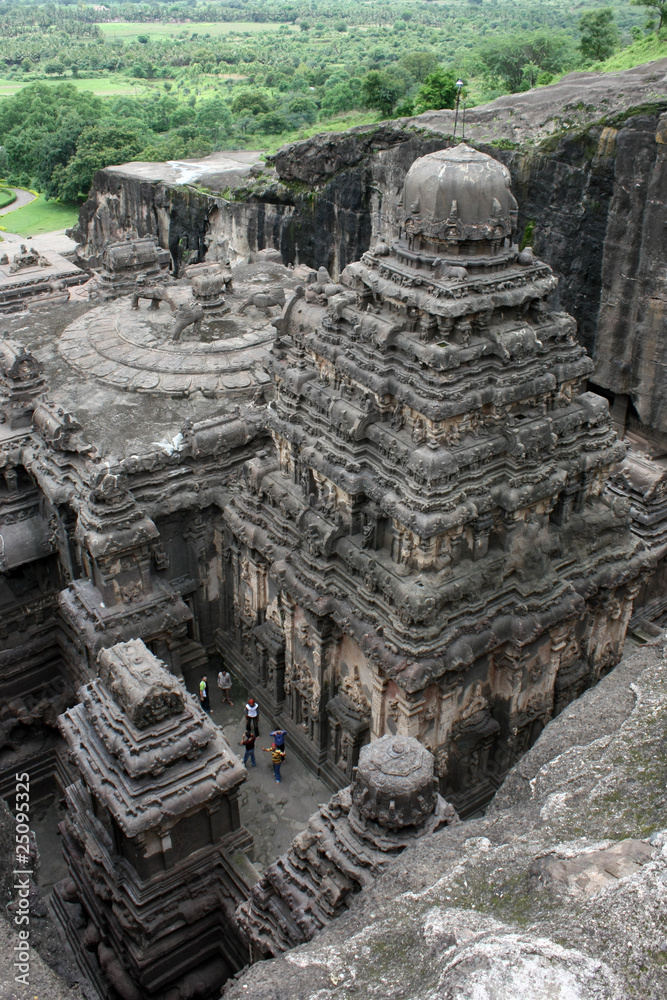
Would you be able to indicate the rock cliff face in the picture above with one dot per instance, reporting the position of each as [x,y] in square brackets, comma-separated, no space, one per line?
[587,158]
[559,891]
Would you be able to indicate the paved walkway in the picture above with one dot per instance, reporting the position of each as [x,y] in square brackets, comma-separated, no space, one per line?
[23,197]
[273,813]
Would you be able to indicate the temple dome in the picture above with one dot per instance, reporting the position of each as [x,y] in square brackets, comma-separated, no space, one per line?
[459,194]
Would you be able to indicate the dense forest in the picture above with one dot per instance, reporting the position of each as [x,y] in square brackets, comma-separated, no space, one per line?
[82,86]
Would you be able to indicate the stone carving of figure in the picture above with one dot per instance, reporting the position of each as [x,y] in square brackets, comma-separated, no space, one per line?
[478,703]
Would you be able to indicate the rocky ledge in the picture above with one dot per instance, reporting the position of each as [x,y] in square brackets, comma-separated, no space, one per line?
[558,893]
[589,168]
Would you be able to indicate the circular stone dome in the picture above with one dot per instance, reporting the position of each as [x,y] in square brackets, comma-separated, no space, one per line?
[394,783]
[459,194]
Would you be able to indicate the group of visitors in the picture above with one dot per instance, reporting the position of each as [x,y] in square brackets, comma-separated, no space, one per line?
[277,748]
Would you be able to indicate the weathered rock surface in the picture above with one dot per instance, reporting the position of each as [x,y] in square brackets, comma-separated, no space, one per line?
[587,162]
[559,892]
[53,972]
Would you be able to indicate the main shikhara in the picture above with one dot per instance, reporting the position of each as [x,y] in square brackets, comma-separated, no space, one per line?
[427,548]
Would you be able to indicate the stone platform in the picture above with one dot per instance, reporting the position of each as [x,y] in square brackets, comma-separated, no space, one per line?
[131,351]
[34,272]
[135,350]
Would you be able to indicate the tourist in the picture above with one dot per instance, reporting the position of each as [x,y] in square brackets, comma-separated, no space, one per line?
[248,741]
[225,685]
[277,756]
[252,715]
[203,694]
[279,738]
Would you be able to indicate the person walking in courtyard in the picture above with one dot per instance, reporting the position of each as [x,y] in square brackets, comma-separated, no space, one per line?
[225,685]
[203,694]
[248,741]
[277,757]
[252,715]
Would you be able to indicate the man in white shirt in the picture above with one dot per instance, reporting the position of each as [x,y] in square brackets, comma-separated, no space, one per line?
[252,715]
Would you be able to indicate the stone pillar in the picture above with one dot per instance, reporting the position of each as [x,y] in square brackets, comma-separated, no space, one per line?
[377,706]
[410,708]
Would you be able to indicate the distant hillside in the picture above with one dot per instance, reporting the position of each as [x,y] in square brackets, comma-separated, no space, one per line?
[646,50]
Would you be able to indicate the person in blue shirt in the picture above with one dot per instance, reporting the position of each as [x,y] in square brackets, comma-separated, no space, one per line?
[279,738]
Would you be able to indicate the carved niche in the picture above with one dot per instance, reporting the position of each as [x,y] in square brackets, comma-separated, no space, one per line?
[349,713]
[471,744]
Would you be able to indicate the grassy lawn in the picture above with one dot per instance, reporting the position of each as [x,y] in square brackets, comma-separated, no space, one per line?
[128,29]
[103,86]
[39,217]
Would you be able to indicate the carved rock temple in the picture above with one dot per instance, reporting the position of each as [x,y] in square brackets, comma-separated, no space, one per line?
[125,260]
[110,521]
[383,499]
[427,549]
[151,827]
[392,803]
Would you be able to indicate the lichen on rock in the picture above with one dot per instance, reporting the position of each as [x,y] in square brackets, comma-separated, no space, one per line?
[560,891]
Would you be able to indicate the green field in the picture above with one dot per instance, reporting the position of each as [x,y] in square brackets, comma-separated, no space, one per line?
[157,30]
[103,86]
[39,217]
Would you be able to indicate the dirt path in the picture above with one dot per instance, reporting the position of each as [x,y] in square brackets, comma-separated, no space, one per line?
[23,197]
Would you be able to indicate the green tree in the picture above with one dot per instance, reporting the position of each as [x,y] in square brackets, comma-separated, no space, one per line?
[272,123]
[54,68]
[420,63]
[256,101]
[599,34]
[658,8]
[437,91]
[381,90]
[40,127]
[214,114]
[342,96]
[504,59]
[108,141]
[302,111]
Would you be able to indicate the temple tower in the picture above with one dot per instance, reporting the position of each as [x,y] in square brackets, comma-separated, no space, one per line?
[392,803]
[152,827]
[120,594]
[427,550]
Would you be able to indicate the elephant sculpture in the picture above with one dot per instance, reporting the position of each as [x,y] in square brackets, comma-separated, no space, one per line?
[264,300]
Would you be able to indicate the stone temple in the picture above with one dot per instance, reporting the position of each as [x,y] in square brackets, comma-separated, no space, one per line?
[152,824]
[427,549]
[382,498]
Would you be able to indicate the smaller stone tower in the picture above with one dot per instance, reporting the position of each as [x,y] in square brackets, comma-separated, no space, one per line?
[392,802]
[120,595]
[152,825]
